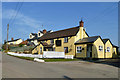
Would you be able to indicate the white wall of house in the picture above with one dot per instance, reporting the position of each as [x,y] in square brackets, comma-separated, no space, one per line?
[35,42]
[15,42]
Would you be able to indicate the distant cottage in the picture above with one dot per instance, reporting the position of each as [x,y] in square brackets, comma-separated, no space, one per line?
[14,41]
[75,41]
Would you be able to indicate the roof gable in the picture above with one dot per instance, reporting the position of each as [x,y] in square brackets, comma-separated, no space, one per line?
[105,41]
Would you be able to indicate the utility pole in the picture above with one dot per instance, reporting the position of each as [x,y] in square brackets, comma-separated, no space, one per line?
[7,34]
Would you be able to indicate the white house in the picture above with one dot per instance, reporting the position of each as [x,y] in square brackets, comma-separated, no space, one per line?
[14,41]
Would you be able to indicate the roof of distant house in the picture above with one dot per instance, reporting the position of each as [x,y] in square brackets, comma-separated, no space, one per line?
[61,33]
[87,40]
[14,40]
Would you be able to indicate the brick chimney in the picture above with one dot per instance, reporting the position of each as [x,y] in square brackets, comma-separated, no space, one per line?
[12,38]
[81,24]
[44,31]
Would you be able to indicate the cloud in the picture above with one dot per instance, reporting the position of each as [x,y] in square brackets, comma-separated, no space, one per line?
[21,19]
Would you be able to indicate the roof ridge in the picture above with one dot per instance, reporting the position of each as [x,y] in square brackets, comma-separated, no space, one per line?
[65,29]
[92,36]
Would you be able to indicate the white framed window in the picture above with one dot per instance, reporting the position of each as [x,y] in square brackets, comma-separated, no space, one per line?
[108,49]
[79,49]
[40,49]
[65,39]
[100,48]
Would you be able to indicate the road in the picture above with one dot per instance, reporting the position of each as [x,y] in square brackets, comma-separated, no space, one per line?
[13,67]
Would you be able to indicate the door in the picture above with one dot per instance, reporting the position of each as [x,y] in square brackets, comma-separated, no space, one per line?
[89,51]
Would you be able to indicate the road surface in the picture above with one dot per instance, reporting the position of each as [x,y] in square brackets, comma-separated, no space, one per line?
[13,67]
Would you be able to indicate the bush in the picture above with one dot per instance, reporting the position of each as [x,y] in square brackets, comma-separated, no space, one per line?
[21,45]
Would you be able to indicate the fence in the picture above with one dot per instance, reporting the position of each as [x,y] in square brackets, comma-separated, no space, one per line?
[46,54]
[25,55]
[53,54]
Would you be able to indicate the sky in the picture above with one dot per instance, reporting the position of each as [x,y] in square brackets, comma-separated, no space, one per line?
[100,18]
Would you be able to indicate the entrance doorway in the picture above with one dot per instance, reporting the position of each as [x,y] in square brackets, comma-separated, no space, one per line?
[89,51]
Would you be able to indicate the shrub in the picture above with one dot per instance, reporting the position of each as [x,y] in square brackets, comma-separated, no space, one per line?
[21,45]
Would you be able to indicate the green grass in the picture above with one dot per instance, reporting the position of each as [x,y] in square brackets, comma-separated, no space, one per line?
[46,60]
[56,60]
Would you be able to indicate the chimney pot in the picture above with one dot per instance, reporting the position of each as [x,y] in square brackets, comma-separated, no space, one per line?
[81,23]
[12,39]
[44,31]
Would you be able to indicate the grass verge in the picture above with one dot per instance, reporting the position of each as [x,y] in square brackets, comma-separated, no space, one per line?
[56,60]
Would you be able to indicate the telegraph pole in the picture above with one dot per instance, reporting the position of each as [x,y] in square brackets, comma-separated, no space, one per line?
[7,34]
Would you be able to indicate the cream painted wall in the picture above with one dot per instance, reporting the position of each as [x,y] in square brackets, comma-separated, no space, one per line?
[108,54]
[77,37]
[38,48]
[95,49]
[35,50]
[69,44]
[115,50]
[83,54]
[81,32]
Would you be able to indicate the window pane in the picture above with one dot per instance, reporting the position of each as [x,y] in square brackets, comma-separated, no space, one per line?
[66,39]
[79,49]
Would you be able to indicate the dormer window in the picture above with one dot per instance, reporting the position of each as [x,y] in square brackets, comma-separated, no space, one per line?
[65,39]
[39,34]
[30,36]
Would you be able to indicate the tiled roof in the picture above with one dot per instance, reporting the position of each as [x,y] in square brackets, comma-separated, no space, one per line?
[61,33]
[105,40]
[87,40]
